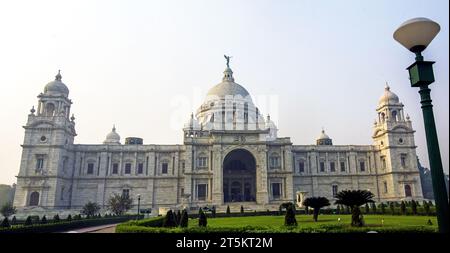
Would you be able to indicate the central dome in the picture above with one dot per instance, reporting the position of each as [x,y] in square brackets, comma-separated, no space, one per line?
[228,87]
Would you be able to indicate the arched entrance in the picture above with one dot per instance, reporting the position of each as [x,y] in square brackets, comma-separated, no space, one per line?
[239,176]
[34,199]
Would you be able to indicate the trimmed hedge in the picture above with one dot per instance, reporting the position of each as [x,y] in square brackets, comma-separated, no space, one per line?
[126,228]
[65,225]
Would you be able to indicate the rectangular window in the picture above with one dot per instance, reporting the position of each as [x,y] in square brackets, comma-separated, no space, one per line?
[335,190]
[127,168]
[202,162]
[164,168]
[276,190]
[403,160]
[90,169]
[274,162]
[182,192]
[140,168]
[332,168]
[322,167]
[385,187]
[115,169]
[126,193]
[201,191]
[39,164]
[362,166]
[342,166]
[383,163]
[301,167]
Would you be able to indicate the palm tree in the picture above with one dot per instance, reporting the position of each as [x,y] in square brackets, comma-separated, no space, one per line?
[316,203]
[354,199]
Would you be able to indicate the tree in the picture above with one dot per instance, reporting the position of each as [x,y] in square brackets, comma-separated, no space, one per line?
[374,208]
[426,208]
[414,207]
[202,221]
[178,220]
[90,209]
[13,221]
[169,220]
[28,221]
[184,219]
[56,218]
[69,218]
[5,223]
[119,204]
[383,208]
[392,207]
[242,209]
[316,203]
[8,209]
[289,218]
[228,210]
[354,199]
[403,207]
[367,208]
[44,220]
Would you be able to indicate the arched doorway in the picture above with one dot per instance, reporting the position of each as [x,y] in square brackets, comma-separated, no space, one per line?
[239,176]
[408,191]
[34,199]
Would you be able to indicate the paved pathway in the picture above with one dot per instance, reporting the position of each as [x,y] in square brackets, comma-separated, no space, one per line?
[110,228]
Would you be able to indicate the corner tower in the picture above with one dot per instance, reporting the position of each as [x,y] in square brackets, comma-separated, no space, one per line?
[394,136]
[46,163]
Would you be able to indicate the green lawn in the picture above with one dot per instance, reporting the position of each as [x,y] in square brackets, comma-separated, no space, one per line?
[307,221]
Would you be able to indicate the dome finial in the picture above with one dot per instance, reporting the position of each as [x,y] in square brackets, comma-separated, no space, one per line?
[228,60]
[386,87]
[228,73]
[58,77]
[32,110]
[114,128]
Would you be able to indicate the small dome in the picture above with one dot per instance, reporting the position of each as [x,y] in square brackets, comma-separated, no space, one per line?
[228,87]
[323,136]
[56,87]
[388,97]
[112,137]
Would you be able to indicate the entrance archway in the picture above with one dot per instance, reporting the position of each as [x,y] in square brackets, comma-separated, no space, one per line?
[34,199]
[239,176]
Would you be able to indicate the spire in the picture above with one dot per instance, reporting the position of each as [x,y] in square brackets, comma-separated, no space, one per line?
[58,77]
[114,128]
[386,87]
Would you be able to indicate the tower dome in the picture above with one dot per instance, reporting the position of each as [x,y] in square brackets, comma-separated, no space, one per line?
[113,137]
[388,97]
[56,87]
[228,87]
[324,139]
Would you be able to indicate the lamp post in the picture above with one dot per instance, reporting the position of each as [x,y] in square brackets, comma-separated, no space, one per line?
[139,204]
[416,34]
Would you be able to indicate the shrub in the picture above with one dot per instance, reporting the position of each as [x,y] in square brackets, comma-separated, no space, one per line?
[289,218]
[184,219]
[119,204]
[228,210]
[414,207]
[426,207]
[392,207]
[13,221]
[242,209]
[178,217]
[367,210]
[44,220]
[69,218]
[90,209]
[8,209]
[383,208]
[56,218]
[202,221]
[355,199]
[169,220]
[5,223]
[403,207]
[213,212]
[28,221]
[306,210]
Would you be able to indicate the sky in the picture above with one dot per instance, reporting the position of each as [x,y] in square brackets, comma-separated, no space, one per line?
[146,65]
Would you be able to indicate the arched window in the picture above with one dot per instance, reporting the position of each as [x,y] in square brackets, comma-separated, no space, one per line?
[49,109]
[34,199]
[394,115]
[408,191]
[383,117]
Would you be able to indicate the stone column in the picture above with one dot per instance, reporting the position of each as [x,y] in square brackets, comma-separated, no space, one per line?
[262,193]
[217,194]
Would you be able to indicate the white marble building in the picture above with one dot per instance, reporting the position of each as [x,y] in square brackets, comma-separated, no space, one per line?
[231,155]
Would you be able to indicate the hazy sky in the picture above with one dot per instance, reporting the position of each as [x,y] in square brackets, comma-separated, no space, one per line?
[145,65]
